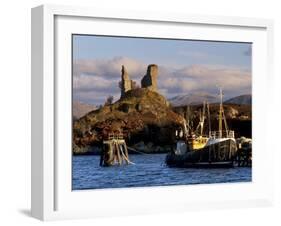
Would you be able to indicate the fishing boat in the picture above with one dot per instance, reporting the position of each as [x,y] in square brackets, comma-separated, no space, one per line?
[196,149]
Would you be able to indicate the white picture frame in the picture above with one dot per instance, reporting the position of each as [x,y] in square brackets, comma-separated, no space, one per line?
[52,197]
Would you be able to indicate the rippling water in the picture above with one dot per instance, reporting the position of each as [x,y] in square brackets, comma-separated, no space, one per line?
[149,170]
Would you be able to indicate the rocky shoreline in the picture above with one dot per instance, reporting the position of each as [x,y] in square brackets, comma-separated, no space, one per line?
[139,148]
[150,148]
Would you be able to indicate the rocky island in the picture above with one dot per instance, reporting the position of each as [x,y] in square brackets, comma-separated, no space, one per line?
[144,116]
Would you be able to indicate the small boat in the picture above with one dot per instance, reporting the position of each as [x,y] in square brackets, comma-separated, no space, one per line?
[193,149]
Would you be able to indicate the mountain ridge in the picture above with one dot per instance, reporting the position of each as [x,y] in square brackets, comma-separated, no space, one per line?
[245,99]
[199,98]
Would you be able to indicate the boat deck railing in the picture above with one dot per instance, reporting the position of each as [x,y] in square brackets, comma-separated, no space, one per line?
[115,136]
[221,134]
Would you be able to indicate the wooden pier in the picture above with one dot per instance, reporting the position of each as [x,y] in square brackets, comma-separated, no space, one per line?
[114,151]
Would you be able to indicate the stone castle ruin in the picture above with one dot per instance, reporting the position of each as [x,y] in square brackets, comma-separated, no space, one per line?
[126,82]
[148,81]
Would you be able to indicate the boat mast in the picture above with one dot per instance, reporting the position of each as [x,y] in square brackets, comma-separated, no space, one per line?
[220,114]
[202,118]
[187,118]
[209,118]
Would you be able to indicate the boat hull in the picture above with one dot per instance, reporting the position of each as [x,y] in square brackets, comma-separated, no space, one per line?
[216,154]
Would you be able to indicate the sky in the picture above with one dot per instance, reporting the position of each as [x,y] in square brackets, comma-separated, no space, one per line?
[185,66]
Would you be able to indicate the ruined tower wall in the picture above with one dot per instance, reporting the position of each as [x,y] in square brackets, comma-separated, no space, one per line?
[126,83]
[149,81]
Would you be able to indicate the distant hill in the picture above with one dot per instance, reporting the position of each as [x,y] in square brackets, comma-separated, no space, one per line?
[242,99]
[81,109]
[199,98]
[193,99]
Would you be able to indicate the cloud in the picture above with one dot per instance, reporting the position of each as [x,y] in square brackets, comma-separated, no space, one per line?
[207,78]
[95,79]
[108,68]
[194,54]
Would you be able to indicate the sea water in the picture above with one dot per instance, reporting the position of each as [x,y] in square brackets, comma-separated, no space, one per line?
[148,170]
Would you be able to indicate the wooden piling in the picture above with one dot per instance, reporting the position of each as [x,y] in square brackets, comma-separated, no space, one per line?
[114,151]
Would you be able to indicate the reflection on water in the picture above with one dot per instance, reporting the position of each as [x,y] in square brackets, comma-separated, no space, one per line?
[149,170]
